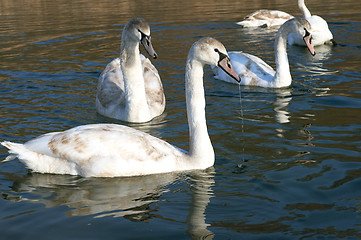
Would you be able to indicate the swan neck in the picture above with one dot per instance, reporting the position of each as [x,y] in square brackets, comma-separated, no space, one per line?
[304,10]
[136,106]
[200,148]
[129,51]
[282,76]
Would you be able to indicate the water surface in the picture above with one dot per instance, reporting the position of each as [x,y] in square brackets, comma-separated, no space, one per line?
[287,161]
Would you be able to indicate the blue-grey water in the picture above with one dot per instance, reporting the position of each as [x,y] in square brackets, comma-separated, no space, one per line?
[288,161]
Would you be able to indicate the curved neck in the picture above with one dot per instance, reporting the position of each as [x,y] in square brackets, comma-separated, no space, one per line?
[136,108]
[282,76]
[200,146]
[304,10]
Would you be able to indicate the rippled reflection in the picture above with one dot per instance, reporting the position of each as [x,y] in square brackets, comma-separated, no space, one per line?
[133,198]
[95,196]
[283,98]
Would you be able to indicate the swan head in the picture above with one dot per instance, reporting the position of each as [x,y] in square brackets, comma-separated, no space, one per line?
[303,28]
[307,38]
[138,30]
[210,51]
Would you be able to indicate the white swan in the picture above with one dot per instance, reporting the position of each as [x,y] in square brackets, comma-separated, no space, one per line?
[109,150]
[265,18]
[321,34]
[254,71]
[129,88]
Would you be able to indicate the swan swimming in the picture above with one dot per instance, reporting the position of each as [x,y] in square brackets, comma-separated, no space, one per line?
[265,18]
[255,72]
[111,150]
[129,88]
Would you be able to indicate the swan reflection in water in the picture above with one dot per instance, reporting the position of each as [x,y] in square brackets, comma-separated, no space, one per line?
[130,197]
[283,98]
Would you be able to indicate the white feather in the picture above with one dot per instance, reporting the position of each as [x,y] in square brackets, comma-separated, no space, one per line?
[265,18]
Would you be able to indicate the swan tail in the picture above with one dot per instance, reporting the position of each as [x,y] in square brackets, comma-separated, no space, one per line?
[14,149]
[17,150]
[39,162]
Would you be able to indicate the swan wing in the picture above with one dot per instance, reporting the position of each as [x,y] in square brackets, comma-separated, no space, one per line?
[100,150]
[265,18]
[110,93]
[153,87]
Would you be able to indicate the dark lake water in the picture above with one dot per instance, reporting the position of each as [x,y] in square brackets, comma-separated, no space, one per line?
[288,162]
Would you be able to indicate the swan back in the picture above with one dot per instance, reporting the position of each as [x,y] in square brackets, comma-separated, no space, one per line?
[265,18]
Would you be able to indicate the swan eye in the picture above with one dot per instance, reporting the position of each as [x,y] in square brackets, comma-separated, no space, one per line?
[307,33]
[222,56]
[144,36]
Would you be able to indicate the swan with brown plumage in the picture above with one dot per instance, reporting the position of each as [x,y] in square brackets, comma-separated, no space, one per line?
[111,150]
[253,71]
[130,88]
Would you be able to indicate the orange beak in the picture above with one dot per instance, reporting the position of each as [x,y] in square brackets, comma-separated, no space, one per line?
[225,64]
[307,39]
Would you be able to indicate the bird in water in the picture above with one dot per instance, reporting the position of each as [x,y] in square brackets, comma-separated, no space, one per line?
[111,150]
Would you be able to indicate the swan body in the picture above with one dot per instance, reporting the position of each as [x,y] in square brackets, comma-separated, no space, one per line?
[265,18]
[110,150]
[253,71]
[129,88]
